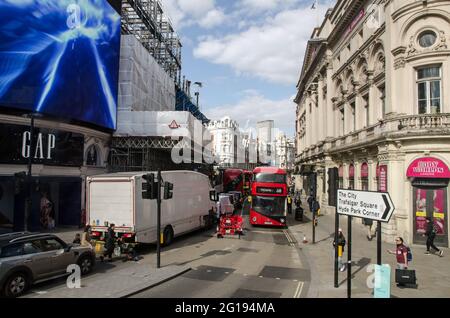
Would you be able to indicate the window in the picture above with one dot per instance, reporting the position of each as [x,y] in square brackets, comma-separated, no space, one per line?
[429,90]
[427,39]
[32,247]
[353,107]
[383,101]
[269,206]
[51,245]
[270,178]
[367,110]
[342,122]
[11,250]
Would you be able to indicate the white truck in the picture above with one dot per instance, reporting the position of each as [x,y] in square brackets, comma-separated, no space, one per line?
[117,198]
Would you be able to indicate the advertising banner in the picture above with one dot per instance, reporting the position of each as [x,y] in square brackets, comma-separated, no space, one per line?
[60,58]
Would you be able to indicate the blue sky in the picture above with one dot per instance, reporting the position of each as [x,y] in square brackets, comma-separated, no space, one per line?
[247,53]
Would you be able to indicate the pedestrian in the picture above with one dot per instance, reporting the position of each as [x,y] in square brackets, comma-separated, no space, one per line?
[316,206]
[341,242]
[431,235]
[110,243]
[371,230]
[310,202]
[86,236]
[401,253]
[289,204]
[77,239]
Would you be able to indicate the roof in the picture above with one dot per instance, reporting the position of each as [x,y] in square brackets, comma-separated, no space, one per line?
[18,236]
[273,170]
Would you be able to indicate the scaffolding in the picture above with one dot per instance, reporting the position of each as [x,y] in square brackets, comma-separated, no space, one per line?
[145,19]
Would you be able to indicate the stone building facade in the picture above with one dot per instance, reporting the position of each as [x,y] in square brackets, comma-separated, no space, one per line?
[372,102]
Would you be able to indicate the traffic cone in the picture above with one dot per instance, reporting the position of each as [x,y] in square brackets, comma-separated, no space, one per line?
[305,241]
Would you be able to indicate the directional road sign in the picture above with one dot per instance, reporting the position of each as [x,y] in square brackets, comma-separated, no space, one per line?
[375,206]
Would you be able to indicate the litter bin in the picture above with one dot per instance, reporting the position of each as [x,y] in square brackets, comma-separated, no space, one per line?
[299,214]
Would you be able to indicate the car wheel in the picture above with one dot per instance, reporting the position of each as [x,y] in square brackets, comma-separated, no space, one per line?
[16,285]
[168,236]
[86,264]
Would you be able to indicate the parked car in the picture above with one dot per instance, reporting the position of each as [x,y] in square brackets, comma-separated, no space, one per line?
[27,258]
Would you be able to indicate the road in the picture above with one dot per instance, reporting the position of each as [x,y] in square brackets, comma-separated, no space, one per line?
[265,263]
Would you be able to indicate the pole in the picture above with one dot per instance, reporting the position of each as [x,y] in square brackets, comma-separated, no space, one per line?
[336,250]
[379,244]
[29,204]
[349,254]
[158,240]
[314,224]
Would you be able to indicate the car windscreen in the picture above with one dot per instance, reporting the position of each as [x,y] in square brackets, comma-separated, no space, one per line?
[270,178]
[269,206]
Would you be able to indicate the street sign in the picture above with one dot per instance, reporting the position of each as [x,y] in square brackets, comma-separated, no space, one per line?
[375,206]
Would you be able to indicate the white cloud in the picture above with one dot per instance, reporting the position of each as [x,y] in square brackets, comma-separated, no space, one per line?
[212,19]
[184,13]
[254,107]
[257,6]
[272,51]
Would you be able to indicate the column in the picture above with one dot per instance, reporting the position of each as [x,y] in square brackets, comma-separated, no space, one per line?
[321,119]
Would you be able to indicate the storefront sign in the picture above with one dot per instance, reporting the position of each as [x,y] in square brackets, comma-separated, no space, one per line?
[50,146]
[382,178]
[428,168]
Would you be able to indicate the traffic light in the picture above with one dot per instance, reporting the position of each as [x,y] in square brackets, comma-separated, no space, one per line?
[20,178]
[149,187]
[168,190]
[333,184]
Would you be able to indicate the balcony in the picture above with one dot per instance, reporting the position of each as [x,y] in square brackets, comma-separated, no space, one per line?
[394,126]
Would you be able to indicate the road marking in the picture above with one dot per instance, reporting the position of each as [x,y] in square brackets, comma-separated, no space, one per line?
[299,290]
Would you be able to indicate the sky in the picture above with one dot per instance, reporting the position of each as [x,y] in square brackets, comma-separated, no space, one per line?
[247,53]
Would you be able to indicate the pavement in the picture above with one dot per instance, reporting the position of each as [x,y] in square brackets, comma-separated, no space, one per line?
[432,271]
[120,283]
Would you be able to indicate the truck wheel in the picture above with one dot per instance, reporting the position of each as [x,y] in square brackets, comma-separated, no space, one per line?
[168,236]
[16,285]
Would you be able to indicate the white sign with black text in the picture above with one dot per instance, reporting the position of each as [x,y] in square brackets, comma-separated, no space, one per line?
[375,206]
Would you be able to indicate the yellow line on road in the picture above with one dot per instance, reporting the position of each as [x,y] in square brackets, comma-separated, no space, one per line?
[299,290]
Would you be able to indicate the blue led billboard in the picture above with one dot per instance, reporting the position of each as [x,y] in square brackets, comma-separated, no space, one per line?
[60,58]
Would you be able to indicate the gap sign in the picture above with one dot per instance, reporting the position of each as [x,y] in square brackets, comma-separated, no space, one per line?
[367,205]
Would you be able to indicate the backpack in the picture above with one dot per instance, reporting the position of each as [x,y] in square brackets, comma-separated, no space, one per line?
[409,255]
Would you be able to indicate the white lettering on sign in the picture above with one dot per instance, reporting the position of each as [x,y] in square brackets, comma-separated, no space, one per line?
[428,167]
[368,205]
[43,147]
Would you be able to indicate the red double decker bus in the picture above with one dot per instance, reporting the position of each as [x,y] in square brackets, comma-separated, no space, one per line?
[269,193]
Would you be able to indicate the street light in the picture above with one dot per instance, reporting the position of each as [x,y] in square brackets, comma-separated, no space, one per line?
[197,93]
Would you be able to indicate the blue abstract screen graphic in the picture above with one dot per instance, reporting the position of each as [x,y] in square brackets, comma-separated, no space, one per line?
[60,58]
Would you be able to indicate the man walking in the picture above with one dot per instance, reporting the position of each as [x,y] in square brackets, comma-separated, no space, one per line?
[289,204]
[110,243]
[370,229]
[431,235]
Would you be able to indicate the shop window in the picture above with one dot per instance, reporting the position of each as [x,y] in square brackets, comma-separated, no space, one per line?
[429,90]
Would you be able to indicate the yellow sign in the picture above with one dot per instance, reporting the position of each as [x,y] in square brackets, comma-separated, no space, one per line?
[421,214]
[439,215]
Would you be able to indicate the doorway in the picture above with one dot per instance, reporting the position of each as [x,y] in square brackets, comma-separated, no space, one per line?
[430,202]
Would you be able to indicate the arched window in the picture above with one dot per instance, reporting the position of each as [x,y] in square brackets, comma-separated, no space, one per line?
[92,156]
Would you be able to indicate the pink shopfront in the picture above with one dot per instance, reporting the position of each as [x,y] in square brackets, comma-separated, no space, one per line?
[429,178]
